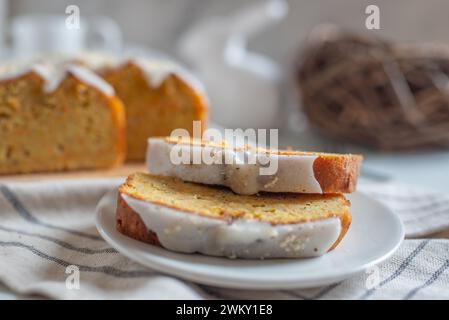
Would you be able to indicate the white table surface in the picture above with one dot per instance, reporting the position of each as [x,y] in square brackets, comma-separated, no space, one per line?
[6,294]
[429,169]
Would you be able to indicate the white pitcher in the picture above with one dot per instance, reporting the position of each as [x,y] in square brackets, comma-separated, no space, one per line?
[243,86]
[35,34]
[3,10]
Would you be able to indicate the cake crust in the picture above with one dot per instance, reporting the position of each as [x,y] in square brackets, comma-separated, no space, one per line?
[337,174]
[129,223]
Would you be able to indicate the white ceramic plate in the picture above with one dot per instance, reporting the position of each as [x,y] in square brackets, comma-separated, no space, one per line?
[375,233]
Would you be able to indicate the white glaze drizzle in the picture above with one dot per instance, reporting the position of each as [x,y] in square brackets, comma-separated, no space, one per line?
[294,173]
[156,69]
[91,78]
[189,232]
[53,73]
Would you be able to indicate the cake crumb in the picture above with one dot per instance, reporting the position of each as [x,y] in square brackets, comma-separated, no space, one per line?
[293,243]
[271,183]
[171,230]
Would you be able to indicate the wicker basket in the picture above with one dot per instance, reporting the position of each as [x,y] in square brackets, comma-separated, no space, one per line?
[368,91]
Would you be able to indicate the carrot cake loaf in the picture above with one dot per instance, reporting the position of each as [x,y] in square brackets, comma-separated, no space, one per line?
[58,117]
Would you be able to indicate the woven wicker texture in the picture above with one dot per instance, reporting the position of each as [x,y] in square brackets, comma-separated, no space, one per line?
[384,95]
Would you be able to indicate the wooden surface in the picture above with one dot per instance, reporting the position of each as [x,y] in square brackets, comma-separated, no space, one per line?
[442,234]
[123,170]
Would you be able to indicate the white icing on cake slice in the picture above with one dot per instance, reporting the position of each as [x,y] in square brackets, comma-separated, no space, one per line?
[190,232]
[294,172]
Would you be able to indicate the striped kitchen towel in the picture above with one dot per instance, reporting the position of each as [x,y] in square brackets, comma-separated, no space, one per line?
[48,227]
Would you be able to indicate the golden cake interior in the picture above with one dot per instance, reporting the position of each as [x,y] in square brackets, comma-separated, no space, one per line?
[76,126]
[153,111]
[217,202]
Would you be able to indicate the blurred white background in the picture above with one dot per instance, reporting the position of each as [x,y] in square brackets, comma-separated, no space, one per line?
[159,23]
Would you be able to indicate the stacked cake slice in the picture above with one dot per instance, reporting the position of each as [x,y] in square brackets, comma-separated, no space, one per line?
[226,207]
